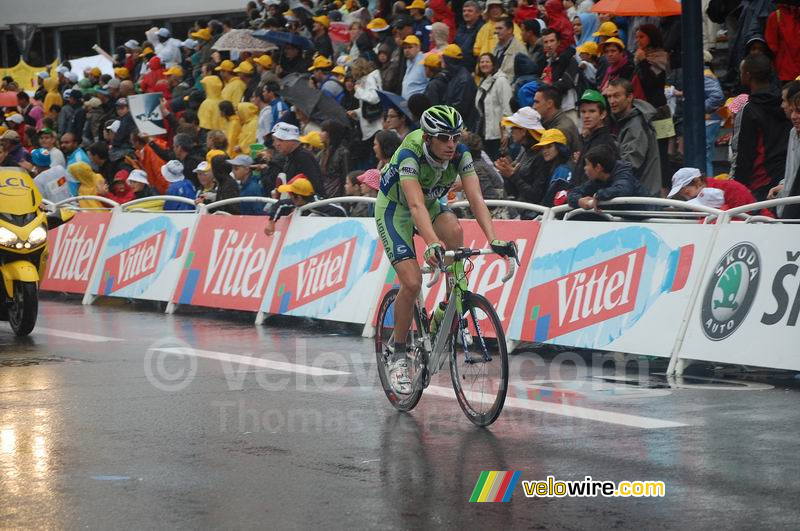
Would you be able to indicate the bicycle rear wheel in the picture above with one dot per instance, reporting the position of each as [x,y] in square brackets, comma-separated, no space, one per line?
[479,370]
[383,333]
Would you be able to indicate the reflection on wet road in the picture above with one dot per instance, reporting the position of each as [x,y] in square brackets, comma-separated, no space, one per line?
[117,415]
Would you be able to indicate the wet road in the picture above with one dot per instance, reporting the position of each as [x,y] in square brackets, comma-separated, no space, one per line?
[118,416]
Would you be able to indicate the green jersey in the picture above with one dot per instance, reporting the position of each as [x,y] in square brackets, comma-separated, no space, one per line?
[410,162]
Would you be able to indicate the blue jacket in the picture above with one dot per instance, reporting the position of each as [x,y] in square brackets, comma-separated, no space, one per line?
[182,188]
[252,188]
[622,183]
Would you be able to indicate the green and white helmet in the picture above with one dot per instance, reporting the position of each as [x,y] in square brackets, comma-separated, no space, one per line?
[441,119]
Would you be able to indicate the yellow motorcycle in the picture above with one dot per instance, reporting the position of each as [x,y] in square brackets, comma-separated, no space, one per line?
[23,247]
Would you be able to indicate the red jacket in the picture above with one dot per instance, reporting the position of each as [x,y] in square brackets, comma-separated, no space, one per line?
[443,13]
[156,74]
[783,37]
[525,12]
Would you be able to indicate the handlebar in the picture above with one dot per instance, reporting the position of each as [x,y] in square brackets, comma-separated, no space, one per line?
[465,252]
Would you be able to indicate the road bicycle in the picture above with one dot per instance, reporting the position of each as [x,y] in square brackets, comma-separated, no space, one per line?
[470,336]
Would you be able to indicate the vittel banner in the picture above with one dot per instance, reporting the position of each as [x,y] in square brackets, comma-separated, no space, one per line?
[143,255]
[614,287]
[73,250]
[229,262]
[328,268]
[748,306]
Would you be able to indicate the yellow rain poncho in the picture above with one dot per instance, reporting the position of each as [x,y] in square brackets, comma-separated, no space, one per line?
[233,127]
[234,90]
[52,97]
[248,113]
[91,183]
[208,113]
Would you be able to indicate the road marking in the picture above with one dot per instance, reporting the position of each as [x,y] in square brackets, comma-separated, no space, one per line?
[67,334]
[567,410]
[254,362]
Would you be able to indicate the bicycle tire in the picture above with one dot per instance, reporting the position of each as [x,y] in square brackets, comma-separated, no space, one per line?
[382,335]
[461,372]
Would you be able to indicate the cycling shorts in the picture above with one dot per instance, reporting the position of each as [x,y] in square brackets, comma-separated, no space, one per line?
[396,227]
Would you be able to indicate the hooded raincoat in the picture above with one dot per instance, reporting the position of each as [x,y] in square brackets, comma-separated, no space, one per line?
[91,183]
[248,114]
[208,113]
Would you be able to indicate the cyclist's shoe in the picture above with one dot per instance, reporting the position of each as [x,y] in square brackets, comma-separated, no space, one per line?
[398,376]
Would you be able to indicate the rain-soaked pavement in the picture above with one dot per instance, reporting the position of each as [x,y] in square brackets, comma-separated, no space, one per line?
[105,423]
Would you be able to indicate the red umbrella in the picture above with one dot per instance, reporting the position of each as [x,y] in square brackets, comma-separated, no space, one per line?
[638,8]
[8,99]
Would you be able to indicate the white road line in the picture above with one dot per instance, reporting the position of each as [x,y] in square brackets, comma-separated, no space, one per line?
[255,362]
[567,410]
[67,334]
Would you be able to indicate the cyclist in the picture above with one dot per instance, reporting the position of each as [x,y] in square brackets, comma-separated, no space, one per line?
[421,171]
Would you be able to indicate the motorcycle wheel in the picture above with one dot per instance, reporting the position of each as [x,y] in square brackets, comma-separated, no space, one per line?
[24,307]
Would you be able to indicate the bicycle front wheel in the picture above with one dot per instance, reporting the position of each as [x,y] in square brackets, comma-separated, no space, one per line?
[479,361]
[383,334]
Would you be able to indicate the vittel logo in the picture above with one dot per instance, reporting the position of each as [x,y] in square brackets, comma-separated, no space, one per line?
[135,263]
[236,266]
[317,276]
[72,252]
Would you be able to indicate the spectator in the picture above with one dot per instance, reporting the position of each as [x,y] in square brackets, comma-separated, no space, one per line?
[440,35]
[155,73]
[47,139]
[759,131]
[787,94]
[313,142]
[584,26]
[334,162]
[531,36]
[93,129]
[352,188]
[233,125]
[486,40]
[526,127]
[52,96]
[397,121]
[782,34]
[635,136]
[367,84]
[208,112]
[437,79]
[90,184]
[248,116]
[790,185]
[560,70]
[137,180]
[98,154]
[508,46]
[32,112]
[558,21]
[552,147]
[461,88]
[172,171]
[51,179]
[12,152]
[273,111]
[226,186]
[492,102]
[492,186]
[392,75]
[607,178]
[468,31]
[547,102]
[207,189]
[286,140]
[301,192]
[119,190]
[587,61]
[421,23]
[249,184]
[617,64]
[414,80]
[595,131]
[385,144]
[234,88]
[324,80]
[713,100]
[76,116]
[370,183]
[321,39]
[688,183]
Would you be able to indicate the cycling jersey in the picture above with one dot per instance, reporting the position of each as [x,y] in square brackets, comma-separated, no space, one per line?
[409,162]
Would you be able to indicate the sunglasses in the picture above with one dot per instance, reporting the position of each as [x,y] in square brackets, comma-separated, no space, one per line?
[441,137]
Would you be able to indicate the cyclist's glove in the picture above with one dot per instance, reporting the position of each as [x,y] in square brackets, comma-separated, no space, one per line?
[504,248]
[434,249]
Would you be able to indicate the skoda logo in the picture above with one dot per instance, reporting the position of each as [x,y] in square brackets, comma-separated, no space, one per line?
[730,291]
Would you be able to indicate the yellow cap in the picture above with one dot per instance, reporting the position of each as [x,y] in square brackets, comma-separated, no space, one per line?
[174,71]
[453,51]
[96,72]
[417,4]
[215,153]
[320,62]
[613,40]
[264,60]
[122,72]
[432,60]
[299,185]
[589,47]
[322,19]
[339,70]
[225,66]
[146,51]
[378,24]
[413,40]
[552,136]
[202,34]
[606,29]
[245,67]
[313,139]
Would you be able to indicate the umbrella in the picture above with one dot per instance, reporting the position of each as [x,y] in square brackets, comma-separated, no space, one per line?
[314,103]
[283,38]
[390,99]
[242,40]
[8,99]
[638,8]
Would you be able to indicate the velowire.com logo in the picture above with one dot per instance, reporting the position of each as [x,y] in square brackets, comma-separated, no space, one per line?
[494,486]
[730,291]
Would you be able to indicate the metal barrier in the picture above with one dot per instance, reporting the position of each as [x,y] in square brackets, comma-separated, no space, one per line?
[70,200]
[235,200]
[177,199]
[520,205]
[335,200]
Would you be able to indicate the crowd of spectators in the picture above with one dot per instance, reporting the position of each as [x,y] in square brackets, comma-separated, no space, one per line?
[560,105]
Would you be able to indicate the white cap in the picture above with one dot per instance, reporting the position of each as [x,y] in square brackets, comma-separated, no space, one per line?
[202,167]
[43,74]
[240,160]
[527,118]
[114,127]
[62,69]
[172,171]
[681,178]
[138,176]
[190,43]
[72,77]
[163,32]
[285,131]
[709,197]
[133,43]
[15,118]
